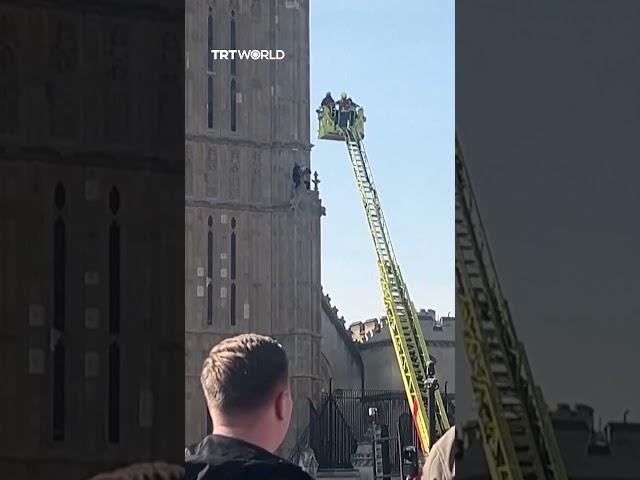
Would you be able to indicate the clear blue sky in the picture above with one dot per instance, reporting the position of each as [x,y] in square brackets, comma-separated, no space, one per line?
[397,60]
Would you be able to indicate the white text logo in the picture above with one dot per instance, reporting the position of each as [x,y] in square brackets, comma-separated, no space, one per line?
[248,54]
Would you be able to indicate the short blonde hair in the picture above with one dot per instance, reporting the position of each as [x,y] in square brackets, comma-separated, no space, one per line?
[242,372]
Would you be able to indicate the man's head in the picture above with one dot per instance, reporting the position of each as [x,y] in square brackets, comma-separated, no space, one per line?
[246,384]
[343,95]
[328,94]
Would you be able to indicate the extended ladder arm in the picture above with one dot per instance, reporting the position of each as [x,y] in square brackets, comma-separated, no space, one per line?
[404,326]
[518,437]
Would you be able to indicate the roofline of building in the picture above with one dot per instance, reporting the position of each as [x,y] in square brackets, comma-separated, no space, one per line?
[369,344]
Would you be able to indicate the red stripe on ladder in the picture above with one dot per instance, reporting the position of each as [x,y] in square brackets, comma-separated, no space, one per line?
[414,410]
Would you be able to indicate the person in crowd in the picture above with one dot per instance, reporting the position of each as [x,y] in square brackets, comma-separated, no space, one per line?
[246,385]
[440,463]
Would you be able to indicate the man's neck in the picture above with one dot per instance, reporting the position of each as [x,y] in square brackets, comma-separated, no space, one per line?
[250,435]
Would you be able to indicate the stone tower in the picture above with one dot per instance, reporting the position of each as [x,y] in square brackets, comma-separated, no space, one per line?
[252,238]
[90,197]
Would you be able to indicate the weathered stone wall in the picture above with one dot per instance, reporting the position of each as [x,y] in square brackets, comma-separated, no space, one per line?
[240,182]
[66,153]
[341,361]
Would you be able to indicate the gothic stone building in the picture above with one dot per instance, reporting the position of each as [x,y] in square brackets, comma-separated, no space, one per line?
[87,312]
[252,239]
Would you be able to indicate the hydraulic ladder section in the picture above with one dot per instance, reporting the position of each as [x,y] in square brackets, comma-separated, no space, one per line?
[417,371]
[518,437]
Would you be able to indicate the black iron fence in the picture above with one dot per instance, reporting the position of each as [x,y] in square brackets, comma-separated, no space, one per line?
[331,436]
[389,405]
[342,420]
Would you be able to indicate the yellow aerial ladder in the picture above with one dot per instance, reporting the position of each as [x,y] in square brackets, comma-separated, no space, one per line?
[418,373]
[518,437]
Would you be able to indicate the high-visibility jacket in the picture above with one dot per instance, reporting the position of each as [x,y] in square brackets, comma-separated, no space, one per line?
[345,104]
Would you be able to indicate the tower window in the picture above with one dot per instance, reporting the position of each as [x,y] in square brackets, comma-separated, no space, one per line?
[210,273]
[210,42]
[233,255]
[114,200]
[233,70]
[232,43]
[113,386]
[59,411]
[209,101]
[59,299]
[232,309]
[59,196]
[232,103]
[233,248]
[114,278]
[114,393]
[210,70]
[232,299]
[59,274]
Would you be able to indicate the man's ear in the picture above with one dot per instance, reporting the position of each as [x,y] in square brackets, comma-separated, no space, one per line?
[281,405]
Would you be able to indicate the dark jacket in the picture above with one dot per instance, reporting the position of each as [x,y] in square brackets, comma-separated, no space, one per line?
[223,458]
[328,101]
